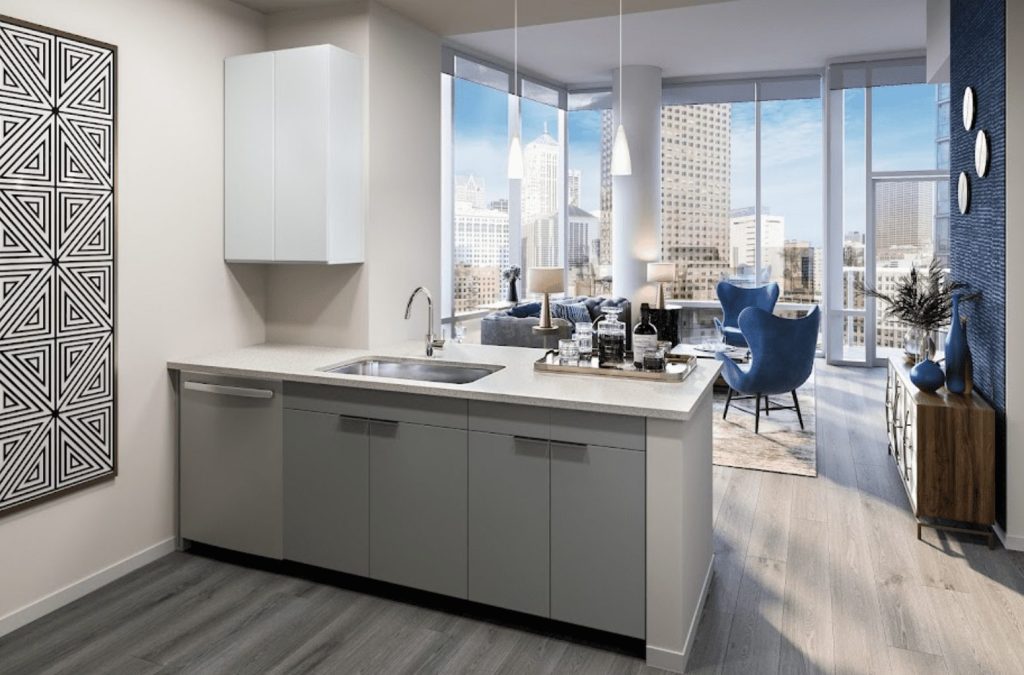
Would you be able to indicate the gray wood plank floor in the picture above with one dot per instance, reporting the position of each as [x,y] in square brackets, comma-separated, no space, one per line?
[812,575]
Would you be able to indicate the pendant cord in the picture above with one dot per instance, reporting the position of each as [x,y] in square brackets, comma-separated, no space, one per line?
[515,57]
[621,111]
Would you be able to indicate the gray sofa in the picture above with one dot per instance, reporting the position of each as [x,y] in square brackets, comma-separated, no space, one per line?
[505,329]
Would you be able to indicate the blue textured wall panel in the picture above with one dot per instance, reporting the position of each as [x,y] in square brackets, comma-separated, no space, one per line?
[978,238]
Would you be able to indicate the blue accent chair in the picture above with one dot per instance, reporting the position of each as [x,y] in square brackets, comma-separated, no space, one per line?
[734,300]
[782,358]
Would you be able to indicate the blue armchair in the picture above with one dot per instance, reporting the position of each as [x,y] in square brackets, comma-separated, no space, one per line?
[782,358]
[734,300]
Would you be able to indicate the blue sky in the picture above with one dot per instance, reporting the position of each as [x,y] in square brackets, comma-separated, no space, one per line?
[904,126]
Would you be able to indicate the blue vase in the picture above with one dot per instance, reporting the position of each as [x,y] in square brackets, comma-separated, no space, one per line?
[927,376]
[958,354]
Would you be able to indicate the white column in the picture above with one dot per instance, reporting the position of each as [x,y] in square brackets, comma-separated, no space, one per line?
[636,199]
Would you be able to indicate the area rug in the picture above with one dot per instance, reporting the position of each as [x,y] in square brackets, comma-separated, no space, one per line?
[781,446]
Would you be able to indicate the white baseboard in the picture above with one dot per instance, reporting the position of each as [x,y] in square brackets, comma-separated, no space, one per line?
[1012,542]
[670,659]
[83,586]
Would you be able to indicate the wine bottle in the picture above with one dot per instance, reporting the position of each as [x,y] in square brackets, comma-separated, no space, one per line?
[645,336]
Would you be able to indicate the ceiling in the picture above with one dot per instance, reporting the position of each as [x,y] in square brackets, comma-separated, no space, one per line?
[737,36]
[451,17]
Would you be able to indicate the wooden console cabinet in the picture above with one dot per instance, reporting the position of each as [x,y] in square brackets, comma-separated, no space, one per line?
[944,448]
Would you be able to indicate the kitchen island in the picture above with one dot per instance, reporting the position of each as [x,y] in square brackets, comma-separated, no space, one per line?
[571,497]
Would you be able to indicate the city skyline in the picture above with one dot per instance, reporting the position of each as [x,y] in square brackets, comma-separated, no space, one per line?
[791,147]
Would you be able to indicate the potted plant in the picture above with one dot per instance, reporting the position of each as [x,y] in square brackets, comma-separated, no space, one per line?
[922,301]
[510,275]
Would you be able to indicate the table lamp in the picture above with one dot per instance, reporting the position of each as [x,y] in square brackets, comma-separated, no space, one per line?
[545,280]
[661,273]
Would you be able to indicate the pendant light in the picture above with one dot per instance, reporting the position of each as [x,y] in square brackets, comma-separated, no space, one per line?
[622,165]
[515,147]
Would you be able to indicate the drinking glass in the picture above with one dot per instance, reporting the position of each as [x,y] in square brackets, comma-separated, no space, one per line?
[568,352]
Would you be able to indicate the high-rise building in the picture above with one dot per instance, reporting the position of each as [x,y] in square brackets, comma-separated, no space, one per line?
[574,178]
[904,218]
[540,219]
[695,195]
[469,191]
[743,245]
[580,237]
[605,246]
[801,276]
[481,250]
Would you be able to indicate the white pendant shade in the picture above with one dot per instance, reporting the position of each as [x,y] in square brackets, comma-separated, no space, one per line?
[515,159]
[622,165]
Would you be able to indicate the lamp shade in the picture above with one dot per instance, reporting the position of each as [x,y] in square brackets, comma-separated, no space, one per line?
[622,165]
[545,280]
[515,159]
[661,272]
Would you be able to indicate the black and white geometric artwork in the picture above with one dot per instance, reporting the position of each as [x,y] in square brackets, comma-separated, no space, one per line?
[57,151]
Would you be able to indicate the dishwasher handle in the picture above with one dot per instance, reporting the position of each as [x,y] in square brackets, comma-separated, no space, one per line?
[225,390]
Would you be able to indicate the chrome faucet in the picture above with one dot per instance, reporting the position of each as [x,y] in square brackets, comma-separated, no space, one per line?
[431,341]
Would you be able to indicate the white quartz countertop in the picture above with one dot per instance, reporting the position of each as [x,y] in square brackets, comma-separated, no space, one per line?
[516,383]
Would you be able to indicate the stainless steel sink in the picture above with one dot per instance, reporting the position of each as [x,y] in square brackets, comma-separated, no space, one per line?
[409,369]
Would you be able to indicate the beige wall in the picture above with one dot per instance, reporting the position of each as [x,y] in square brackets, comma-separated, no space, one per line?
[175,294]
[176,297]
[318,304]
[361,305]
[1014,274]
[404,233]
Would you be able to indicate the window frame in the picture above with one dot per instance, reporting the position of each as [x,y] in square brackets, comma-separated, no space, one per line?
[897,71]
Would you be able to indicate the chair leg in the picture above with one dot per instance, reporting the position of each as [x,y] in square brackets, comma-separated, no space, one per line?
[766,408]
[728,400]
[757,415]
[796,403]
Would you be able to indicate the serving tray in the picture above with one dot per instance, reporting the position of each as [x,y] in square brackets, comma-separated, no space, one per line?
[676,369]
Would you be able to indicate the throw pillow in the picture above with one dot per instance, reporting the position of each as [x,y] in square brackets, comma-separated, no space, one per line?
[525,310]
[573,312]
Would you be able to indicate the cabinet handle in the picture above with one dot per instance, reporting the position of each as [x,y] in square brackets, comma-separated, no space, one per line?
[224,390]
[530,439]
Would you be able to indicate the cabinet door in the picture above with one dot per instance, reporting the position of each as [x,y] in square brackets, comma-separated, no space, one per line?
[230,445]
[301,109]
[597,537]
[509,515]
[418,506]
[249,158]
[326,491]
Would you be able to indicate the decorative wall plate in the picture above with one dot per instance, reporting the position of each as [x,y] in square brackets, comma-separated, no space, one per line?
[981,153]
[968,108]
[57,272]
[963,193]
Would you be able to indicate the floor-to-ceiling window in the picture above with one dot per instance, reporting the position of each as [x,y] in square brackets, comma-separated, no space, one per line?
[542,197]
[489,222]
[742,190]
[480,228]
[889,204]
[589,194]
[792,231]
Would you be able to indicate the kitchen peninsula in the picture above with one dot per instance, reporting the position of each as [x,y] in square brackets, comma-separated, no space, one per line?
[569,497]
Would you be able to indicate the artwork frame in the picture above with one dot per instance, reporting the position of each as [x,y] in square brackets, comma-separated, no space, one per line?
[58,263]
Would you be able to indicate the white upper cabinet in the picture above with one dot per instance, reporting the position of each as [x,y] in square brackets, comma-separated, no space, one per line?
[293,156]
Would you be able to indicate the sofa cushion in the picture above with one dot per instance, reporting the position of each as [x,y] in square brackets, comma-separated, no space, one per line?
[524,310]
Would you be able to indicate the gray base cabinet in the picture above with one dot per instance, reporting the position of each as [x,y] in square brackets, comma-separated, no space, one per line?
[509,519]
[230,463]
[327,491]
[511,506]
[598,537]
[418,509]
